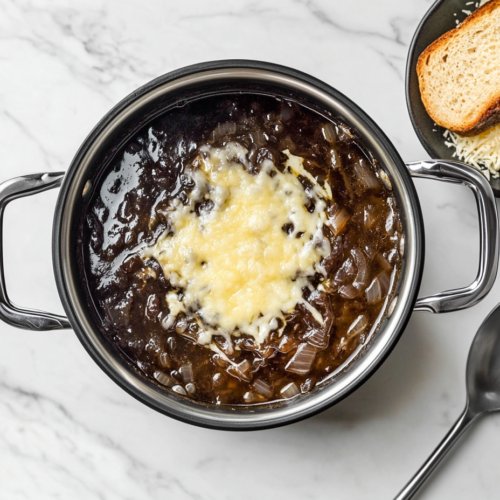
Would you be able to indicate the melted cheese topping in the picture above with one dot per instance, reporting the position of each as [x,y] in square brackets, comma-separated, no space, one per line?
[235,267]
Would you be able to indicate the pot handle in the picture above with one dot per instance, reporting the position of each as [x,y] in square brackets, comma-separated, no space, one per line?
[28,319]
[459,173]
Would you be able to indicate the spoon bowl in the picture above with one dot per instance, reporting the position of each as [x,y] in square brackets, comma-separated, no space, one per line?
[483,366]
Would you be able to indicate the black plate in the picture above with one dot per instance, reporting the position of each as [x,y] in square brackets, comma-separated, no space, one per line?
[438,20]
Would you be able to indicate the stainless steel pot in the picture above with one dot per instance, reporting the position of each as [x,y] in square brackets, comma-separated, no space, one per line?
[175,89]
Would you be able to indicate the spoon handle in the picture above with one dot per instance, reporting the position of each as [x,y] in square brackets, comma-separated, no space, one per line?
[438,454]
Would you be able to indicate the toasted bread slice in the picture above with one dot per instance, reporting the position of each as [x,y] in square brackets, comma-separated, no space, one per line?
[459,74]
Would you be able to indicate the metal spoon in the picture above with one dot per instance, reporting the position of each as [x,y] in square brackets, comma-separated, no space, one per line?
[483,395]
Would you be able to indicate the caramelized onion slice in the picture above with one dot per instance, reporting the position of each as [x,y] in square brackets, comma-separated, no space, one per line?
[225,344]
[391,218]
[393,256]
[287,344]
[336,162]
[165,360]
[385,179]
[318,337]
[402,246]
[358,326]
[179,390]
[374,292]
[186,329]
[378,288]
[302,360]
[338,222]
[164,379]
[290,391]
[349,292]
[186,371]
[366,176]
[252,397]
[244,366]
[241,371]
[363,272]
[329,133]
[181,326]
[190,389]
[346,271]
[263,388]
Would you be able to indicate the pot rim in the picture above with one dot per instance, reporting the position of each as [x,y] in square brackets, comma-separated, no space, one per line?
[255,418]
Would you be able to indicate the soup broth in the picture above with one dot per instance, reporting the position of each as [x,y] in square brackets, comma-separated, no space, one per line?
[240,249]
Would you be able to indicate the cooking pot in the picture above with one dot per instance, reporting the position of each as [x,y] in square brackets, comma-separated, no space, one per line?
[175,89]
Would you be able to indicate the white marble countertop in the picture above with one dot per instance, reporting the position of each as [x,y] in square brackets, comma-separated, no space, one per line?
[66,430]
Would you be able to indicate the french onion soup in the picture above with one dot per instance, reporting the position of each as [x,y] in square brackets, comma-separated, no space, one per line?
[240,249]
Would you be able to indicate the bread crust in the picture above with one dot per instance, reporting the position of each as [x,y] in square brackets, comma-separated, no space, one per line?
[490,114]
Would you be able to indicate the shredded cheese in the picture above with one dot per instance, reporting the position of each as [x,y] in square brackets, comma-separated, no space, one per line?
[481,151]
[235,267]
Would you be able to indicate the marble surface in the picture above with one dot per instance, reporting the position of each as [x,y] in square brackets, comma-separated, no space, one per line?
[66,430]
